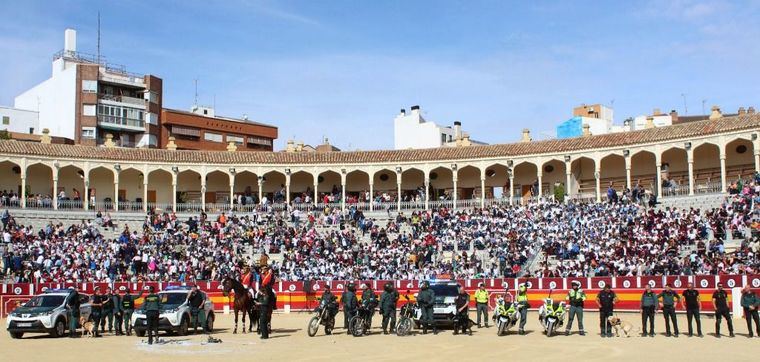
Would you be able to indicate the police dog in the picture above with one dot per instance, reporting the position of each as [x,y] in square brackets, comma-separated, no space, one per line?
[619,325]
[88,328]
[460,320]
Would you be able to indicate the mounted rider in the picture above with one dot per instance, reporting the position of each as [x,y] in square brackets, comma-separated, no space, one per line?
[248,279]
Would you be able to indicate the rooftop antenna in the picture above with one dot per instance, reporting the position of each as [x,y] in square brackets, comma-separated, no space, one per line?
[213,104]
[98,37]
[195,81]
[685,110]
[703,105]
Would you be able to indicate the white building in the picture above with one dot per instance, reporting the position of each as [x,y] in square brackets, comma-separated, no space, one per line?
[657,119]
[410,130]
[19,120]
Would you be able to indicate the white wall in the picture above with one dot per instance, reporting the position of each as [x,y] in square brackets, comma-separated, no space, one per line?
[412,131]
[597,126]
[55,99]
[640,122]
[19,120]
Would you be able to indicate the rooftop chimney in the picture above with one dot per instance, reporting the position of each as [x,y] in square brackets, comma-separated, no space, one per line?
[751,110]
[650,122]
[403,112]
[526,135]
[742,111]
[715,114]
[586,130]
[457,130]
[415,109]
[656,112]
[70,41]
[673,116]
[291,146]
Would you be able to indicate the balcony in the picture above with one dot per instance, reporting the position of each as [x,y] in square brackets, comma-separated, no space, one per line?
[123,99]
[121,123]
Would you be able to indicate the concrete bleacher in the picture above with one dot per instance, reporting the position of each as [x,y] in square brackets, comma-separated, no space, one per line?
[703,202]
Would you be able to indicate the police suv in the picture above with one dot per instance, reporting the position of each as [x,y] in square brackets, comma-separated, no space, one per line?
[175,312]
[46,313]
[444,306]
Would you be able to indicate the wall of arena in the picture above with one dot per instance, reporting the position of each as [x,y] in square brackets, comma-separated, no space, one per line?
[292,296]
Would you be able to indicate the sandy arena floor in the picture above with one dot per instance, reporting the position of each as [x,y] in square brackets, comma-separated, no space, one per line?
[291,343]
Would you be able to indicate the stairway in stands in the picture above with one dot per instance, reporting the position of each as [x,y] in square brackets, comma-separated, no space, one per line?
[702,202]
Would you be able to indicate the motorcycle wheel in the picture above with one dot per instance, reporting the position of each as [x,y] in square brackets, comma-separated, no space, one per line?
[313,326]
[356,326]
[549,328]
[404,327]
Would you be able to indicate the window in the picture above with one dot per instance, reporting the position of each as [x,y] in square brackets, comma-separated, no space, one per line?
[6,120]
[88,110]
[151,118]
[213,137]
[151,97]
[236,139]
[89,86]
[88,132]
[443,138]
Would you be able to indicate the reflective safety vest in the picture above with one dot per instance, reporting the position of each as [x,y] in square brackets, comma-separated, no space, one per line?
[522,297]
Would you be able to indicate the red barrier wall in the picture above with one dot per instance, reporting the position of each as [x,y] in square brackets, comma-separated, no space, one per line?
[292,294]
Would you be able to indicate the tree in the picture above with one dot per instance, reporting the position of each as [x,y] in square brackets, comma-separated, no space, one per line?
[559,193]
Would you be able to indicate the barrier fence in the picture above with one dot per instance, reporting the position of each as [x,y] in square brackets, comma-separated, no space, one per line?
[301,296]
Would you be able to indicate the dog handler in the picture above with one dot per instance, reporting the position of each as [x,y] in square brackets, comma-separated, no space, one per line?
[575,297]
[606,300]
[73,306]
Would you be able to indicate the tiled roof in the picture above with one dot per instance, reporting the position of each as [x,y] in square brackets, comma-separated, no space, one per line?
[679,131]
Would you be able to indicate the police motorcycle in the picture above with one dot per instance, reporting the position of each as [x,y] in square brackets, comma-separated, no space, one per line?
[359,324]
[551,315]
[325,317]
[409,312]
[505,315]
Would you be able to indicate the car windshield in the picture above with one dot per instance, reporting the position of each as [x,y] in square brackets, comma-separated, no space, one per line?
[46,301]
[173,298]
[444,290]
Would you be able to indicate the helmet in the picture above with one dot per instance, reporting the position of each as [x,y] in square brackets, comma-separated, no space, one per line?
[523,287]
[425,284]
[351,287]
[388,287]
[576,283]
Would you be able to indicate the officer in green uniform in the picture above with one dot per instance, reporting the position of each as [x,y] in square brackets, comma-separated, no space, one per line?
[152,307]
[369,301]
[73,307]
[128,307]
[426,301]
[107,312]
[197,312]
[522,305]
[263,300]
[575,297]
[388,300]
[669,299]
[649,302]
[350,303]
[750,302]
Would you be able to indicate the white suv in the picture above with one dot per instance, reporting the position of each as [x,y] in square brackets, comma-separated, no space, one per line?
[175,312]
[46,313]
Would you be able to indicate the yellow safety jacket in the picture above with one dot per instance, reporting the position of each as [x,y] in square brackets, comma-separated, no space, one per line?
[481,296]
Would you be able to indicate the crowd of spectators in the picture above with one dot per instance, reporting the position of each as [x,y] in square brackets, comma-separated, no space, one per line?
[574,239]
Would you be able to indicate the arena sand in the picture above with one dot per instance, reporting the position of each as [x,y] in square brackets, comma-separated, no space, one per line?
[290,342]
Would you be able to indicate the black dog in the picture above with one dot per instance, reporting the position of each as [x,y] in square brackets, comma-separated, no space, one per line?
[460,321]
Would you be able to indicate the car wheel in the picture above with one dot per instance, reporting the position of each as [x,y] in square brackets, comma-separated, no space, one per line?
[17,335]
[59,328]
[210,323]
[182,329]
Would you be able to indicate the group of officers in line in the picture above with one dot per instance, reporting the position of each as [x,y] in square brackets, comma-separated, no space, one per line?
[115,310]
[667,301]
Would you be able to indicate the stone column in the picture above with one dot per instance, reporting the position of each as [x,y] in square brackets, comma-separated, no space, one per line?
[723,184]
[316,190]
[287,189]
[427,191]
[482,190]
[540,177]
[511,188]
[55,192]
[174,195]
[455,196]
[203,193]
[690,157]
[86,193]
[23,191]
[232,192]
[116,192]
[343,192]
[261,190]
[145,194]
[567,185]
[398,193]
[628,172]
[371,195]
[597,177]
[658,181]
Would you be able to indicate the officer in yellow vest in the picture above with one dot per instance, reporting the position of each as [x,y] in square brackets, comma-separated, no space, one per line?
[575,297]
[522,302]
[481,302]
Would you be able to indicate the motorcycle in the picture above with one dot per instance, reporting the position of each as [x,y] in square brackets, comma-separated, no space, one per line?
[359,324]
[505,316]
[325,317]
[551,315]
[410,312]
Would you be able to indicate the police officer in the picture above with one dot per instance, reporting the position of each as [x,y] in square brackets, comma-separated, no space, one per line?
[350,303]
[107,312]
[750,302]
[118,313]
[388,300]
[668,305]
[96,309]
[481,303]
[649,302]
[330,301]
[606,300]
[575,297]
[691,303]
[462,303]
[197,312]
[720,303]
[426,301]
[522,305]
[264,301]
[152,307]
[128,307]
[369,301]
[73,306]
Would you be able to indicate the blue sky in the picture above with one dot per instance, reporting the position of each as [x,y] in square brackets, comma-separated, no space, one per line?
[343,69]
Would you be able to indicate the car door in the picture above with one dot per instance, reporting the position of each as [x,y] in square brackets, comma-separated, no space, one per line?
[208,305]
[85,308]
